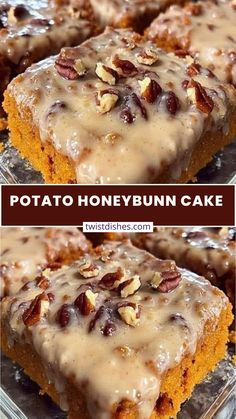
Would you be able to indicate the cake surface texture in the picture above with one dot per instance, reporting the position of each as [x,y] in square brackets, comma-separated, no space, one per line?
[26,251]
[108,336]
[129,13]
[206,30]
[117,109]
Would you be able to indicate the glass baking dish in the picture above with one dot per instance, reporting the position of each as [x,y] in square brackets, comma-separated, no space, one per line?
[13,169]
[213,398]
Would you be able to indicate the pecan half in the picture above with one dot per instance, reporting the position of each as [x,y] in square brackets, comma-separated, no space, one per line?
[106,74]
[130,287]
[65,68]
[130,313]
[86,302]
[126,67]
[171,280]
[111,280]
[37,309]
[147,56]
[149,89]
[88,269]
[199,97]
[168,279]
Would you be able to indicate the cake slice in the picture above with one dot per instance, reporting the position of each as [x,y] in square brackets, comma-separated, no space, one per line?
[117,109]
[34,30]
[117,334]
[210,254]
[206,30]
[27,251]
[129,13]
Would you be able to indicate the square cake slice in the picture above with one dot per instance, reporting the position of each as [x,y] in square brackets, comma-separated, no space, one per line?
[136,14]
[206,30]
[34,30]
[207,253]
[118,334]
[26,251]
[117,109]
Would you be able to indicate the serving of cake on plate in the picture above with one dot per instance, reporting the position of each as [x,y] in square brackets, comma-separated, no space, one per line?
[32,30]
[117,334]
[118,109]
[27,251]
[206,30]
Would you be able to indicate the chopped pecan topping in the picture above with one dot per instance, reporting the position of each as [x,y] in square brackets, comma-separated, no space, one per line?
[196,235]
[37,309]
[106,101]
[11,16]
[86,302]
[199,97]
[172,102]
[106,74]
[64,315]
[150,89]
[104,321]
[16,13]
[168,279]
[40,22]
[88,269]
[65,68]
[130,313]
[147,56]
[181,53]
[130,104]
[111,280]
[109,328]
[130,287]
[139,105]
[42,282]
[126,67]
[79,67]
[171,280]
[127,116]
[156,280]
[195,9]
[193,69]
